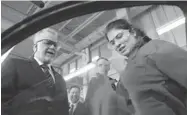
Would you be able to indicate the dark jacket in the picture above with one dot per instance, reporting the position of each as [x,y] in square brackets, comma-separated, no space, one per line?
[23,86]
[156,79]
[80,109]
[123,93]
[94,84]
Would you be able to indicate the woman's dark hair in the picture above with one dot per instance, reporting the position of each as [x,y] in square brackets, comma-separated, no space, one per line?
[124,24]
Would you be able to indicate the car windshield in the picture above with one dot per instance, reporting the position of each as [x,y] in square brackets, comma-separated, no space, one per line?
[82,39]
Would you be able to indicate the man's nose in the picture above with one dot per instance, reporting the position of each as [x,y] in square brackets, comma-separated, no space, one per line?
[52,46]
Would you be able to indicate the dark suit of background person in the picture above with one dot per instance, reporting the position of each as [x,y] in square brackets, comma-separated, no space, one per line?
[24,86]
[74,99]
[111,102]
[122,92]
[156,75]
[102,68]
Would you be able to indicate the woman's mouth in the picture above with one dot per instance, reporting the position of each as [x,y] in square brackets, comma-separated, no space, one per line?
[122,48]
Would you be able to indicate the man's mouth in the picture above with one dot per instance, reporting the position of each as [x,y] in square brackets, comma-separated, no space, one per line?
[51,52]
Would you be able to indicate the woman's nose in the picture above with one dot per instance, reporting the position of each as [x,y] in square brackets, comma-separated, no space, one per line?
[117,45]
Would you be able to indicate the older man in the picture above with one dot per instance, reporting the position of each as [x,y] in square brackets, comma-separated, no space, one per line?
[103,66]
[31,86]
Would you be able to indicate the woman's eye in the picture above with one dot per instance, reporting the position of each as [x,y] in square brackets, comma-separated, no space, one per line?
[119,36]
[112,42]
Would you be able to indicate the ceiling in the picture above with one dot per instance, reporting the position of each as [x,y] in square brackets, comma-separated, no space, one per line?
[76,34]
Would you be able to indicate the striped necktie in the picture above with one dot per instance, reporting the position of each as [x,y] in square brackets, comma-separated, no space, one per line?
[71,110]
[49,78]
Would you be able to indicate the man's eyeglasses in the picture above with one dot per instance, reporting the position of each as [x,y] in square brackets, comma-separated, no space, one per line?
[49,43]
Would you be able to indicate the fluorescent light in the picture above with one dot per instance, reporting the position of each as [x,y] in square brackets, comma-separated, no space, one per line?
[95,58]
[80,71]
[171,25]
[6,54]
[72,70]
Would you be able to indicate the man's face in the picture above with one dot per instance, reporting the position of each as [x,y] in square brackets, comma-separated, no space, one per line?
[103,66]
[74,95]
[46,47]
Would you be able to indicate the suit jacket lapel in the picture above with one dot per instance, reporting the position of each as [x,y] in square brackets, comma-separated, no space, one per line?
[77,108]
[37,69]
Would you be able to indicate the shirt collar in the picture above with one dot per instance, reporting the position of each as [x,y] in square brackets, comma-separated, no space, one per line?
[40,63]
[75,104]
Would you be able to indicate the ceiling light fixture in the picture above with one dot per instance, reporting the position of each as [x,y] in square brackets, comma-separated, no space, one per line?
[72,70]
[80,71]
[171,25]
[95,58]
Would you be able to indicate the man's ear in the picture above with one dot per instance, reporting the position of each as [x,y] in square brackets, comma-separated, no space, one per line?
[109,67]
[35,47]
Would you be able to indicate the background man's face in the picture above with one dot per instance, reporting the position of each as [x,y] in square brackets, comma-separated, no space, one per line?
[103,66]
[74,95]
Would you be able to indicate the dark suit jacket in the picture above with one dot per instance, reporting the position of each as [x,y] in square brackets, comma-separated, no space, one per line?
[23,82]
[156,79]
[80,109]
[93,86]
[121,91]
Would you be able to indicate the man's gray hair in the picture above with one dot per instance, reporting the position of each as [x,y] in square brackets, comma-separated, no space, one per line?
[46,30]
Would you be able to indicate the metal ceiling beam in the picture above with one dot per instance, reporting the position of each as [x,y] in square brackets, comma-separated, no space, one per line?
[5,24]
[67,46]
[67,22]
[84,24]
[12,9]
[84,43]
[12,14]
[94,36]
[63,44]
[39,3]
[46,5]
[91,38]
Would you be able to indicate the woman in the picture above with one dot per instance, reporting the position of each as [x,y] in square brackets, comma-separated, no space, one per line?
[156,73]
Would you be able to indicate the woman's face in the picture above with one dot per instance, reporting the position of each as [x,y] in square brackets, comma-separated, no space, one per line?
[122,41]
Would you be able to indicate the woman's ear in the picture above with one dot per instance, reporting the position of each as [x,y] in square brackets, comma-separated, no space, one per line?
[35,47]
[133,32]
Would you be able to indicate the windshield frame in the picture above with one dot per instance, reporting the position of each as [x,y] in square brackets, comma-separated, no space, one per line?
[68,10]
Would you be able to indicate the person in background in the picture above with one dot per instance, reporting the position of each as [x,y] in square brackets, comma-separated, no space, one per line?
[155,76]
[104,100]
[112,103]
[76,106]
[123,93]
[102,68]
[32,86]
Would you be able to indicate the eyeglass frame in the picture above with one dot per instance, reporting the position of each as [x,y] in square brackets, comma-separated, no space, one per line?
[55,44]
